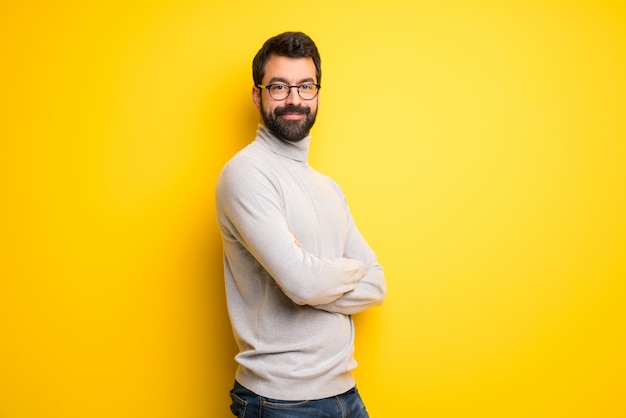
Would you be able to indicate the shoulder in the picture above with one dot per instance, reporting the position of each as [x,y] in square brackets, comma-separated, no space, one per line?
[246,171]
[329,180]
[250,158]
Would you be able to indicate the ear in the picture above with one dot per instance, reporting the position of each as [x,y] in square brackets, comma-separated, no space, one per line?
[256,97]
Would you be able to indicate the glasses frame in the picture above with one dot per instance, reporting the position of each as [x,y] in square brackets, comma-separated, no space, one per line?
[269,86]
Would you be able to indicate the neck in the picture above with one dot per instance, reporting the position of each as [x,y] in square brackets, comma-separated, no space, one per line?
[298,151]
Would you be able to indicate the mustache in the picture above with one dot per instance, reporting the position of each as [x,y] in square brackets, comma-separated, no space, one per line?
[283,110]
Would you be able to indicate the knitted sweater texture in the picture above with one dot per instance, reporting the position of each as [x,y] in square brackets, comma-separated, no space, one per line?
[296,268]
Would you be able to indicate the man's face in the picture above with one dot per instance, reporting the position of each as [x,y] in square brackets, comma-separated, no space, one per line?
[292,118]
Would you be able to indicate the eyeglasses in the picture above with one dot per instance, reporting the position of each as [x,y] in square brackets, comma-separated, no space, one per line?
[306,91]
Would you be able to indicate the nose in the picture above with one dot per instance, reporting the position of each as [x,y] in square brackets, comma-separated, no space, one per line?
[294,97]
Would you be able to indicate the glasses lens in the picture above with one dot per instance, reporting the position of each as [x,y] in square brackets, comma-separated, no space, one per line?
[279,91]
[307,91]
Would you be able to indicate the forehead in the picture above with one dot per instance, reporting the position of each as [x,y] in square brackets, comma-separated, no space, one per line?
[290,70]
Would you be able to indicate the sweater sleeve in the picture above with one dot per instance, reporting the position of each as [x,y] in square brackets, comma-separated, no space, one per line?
[371,289]
[251,216]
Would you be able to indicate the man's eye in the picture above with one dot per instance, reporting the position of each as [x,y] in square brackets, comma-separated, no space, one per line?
[306,87]
[279,87]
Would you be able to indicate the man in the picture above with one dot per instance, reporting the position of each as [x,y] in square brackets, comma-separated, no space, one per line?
[296,267]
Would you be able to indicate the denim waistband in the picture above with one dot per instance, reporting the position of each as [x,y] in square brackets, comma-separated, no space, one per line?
[239,386]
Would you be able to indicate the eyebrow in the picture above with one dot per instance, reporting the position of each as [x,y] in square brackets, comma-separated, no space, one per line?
[282,80]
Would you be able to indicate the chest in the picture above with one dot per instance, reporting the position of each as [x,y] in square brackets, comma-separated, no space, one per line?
[315,211]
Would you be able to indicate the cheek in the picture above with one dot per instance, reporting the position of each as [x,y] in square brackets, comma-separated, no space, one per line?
[265,106]
[269,110]
[315,105]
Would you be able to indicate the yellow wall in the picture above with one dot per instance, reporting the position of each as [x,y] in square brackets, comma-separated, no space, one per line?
[480,144]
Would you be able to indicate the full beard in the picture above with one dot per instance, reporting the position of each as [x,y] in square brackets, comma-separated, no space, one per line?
[289,130]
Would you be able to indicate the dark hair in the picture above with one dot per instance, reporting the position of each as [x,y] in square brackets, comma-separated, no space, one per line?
[288,44]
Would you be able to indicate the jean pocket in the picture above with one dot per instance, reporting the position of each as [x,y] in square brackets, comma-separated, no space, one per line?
[276,404]
[238,406]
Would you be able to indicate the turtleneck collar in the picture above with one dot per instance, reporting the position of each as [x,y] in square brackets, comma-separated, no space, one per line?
[298,151]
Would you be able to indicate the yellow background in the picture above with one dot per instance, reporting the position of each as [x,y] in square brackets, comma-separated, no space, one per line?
[480,144]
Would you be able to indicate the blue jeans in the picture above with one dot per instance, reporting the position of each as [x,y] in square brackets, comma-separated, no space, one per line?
[247,404]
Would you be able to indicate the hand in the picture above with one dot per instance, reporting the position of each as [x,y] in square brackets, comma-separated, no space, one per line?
[296,238]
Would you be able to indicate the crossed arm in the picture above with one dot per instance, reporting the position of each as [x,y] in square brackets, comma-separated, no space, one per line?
[251,216]
[370,290]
